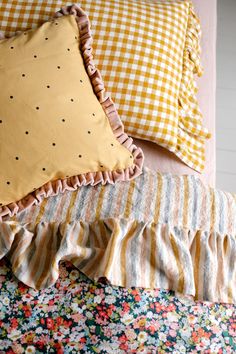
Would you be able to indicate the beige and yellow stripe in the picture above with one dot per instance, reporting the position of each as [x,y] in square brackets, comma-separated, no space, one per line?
[146,232]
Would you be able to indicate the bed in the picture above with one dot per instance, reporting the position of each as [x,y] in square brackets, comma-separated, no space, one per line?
[75,314]
[70,313]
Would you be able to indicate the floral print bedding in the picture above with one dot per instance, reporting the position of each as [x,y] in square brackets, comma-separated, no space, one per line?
[77,315]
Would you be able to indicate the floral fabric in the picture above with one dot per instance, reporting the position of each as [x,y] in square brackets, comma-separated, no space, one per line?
[77,315]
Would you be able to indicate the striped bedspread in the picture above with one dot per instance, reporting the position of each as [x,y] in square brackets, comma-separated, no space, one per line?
[157,231]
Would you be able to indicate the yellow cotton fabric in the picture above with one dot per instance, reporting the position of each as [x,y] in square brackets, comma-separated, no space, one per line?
[148,52]
[51,123]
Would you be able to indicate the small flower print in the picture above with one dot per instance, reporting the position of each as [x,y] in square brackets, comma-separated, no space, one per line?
[110,299]
[85,316]
[5,301]
[97,299]
[74,274]
[30,349]
[15,334]
[142,337]
[127,319]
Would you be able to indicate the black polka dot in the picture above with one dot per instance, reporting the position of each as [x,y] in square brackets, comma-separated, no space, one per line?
[11,97]
[23,75]
[44,169]
[89,132]
[8,182]
[131,156]
[68,49]
[101,165]
[76,37]
[53,144]
[26,132]
[0,204]
[81,80]
[0,121]
[112,144]
[48,86]
[35,56]
[12,47]
[17,158]
[58,67]
[63,120]
[93,114]
[80,156]
[37,108]
[46,38]
[72,100]
[56,23]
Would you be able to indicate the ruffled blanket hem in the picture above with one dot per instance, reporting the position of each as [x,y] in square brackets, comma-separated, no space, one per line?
[128,253]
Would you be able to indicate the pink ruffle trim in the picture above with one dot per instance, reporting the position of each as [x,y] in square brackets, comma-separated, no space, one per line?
[92,178]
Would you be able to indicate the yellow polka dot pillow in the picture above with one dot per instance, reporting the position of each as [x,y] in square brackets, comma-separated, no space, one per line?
[148,52]
[58,129]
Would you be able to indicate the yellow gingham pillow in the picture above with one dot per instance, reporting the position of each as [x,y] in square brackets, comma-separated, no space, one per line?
[148,52]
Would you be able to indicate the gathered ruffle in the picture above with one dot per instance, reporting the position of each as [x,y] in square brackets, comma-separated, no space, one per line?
[191,133]
[128,253]
[91,178]
[156,231]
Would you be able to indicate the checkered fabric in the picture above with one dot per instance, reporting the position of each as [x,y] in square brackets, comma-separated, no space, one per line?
[147,52]
[20,15]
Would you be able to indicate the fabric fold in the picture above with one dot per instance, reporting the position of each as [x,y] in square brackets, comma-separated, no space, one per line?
[128,253]
[157,231]
[191,132]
